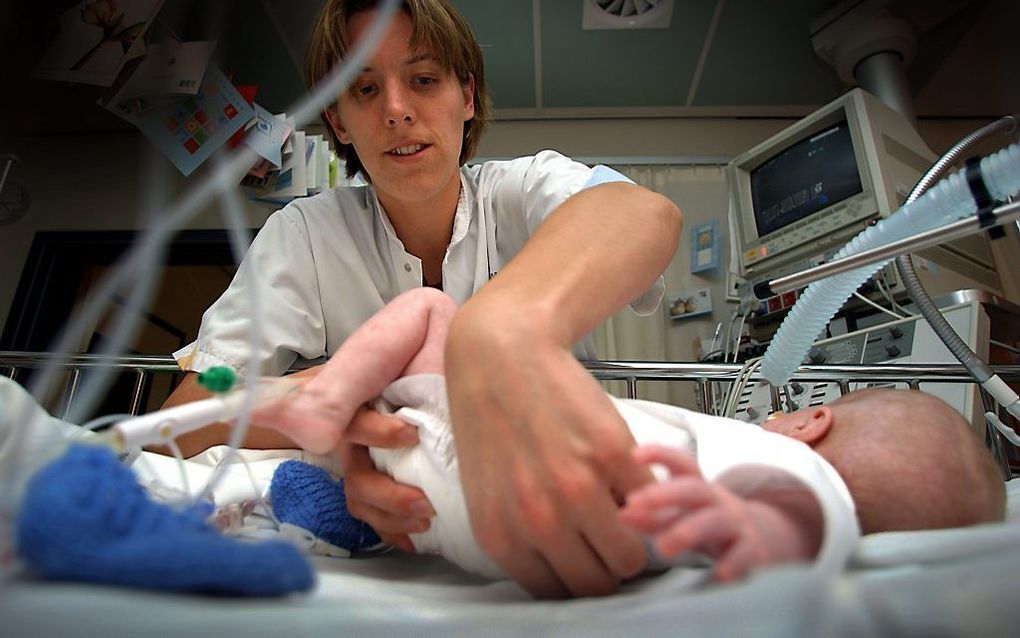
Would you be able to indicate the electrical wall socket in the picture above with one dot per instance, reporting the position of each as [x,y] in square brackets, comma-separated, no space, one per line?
[733,282]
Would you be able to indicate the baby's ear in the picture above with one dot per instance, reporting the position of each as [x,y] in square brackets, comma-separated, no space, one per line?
[807,426]
[816,423]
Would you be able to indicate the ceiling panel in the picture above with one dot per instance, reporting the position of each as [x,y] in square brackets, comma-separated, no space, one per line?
[761,54]
[505,31]
[619,68]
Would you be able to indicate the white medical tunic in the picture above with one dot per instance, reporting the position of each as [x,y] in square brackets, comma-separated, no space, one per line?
[323,265]
[740,456]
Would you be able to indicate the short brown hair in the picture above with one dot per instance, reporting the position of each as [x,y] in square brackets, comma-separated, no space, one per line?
[436,26]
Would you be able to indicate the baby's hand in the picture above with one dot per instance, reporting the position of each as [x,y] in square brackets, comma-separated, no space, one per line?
[688,514]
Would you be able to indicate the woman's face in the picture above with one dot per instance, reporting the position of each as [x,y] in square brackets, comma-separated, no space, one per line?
[405,115]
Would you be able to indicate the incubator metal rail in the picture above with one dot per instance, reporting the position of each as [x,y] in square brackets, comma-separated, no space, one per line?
[707,376]
[703,374]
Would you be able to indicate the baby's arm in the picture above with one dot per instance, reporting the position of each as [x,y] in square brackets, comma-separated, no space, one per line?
[687,513]
[406,337]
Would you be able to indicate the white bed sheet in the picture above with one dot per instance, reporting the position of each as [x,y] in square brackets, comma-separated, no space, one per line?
[951,582]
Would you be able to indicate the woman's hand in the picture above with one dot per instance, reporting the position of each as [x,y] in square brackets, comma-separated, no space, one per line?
[544,459]
[392,509]
[318,419]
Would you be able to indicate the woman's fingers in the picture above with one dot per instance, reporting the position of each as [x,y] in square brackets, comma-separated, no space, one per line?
[372,429]
[390,508]
[674,459]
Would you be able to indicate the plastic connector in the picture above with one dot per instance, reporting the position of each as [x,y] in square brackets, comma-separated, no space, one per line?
[218,379]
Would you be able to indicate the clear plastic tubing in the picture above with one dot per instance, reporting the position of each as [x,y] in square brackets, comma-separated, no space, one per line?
[946,202]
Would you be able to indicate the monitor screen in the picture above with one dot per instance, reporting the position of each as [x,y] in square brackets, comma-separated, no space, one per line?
[814,173]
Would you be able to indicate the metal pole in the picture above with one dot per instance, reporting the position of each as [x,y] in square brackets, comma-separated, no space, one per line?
[631,387]
[777,405]
[968,226]
[136,392]
[705,394]
[72,387]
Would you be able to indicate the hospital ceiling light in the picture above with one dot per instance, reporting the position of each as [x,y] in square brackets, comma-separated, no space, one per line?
[626,14]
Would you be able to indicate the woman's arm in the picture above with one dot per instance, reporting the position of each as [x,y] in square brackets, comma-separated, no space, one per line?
[192,443]
[544,457]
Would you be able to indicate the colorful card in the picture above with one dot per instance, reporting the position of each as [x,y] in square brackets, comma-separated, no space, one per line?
[705,246]
[189,130]
[267,133]
[292,180]
[96,38]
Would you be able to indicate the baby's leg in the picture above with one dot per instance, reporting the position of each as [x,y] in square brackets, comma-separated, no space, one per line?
[406,337]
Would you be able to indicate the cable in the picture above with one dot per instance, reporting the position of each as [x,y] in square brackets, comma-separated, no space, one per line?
[97,423]
[181,467]
[739,383]
[877,307]
[736,340]
[998,389]
[307,109]
[1003,429]
[239,239]
[1005,346]
[729,334]
[891,299]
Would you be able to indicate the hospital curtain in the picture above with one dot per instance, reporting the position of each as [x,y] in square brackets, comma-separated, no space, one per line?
[700,193]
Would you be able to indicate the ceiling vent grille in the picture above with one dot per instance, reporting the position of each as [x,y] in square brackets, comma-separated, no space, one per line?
[627,14]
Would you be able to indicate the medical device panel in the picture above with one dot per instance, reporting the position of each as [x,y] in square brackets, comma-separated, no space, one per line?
[800,195]
[904,341]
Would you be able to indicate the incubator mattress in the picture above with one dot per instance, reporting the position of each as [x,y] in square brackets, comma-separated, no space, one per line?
[952,582]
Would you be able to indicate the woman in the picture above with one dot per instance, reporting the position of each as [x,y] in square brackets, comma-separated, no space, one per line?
[547,461]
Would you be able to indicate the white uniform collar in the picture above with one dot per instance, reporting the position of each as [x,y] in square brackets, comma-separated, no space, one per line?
[461,219]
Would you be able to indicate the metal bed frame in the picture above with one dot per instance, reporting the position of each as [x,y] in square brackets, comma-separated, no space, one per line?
[705,375]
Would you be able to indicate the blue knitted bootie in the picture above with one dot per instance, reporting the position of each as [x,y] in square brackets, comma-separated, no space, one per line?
[86,518]
[307,496]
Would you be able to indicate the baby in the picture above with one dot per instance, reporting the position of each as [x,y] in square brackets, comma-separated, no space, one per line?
[738,494]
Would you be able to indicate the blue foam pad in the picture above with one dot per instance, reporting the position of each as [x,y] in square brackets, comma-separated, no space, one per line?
[86,518]
[307,496]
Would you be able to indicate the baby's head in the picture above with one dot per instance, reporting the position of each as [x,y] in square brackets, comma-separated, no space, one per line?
[909,460]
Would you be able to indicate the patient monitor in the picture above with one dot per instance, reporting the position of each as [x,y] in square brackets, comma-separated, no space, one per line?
[799,196]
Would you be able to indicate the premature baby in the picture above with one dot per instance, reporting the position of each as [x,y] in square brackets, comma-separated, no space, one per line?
[798,489]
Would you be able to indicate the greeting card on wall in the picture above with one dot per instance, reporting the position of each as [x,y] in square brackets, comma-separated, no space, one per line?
[96,39]
[188,131]
[705,246]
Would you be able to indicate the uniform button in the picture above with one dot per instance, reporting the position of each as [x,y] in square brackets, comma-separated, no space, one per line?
[407,267]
